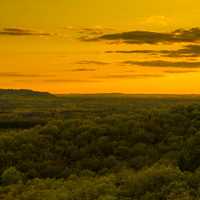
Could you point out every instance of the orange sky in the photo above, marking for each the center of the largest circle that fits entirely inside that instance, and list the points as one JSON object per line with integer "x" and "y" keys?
{"x": 87, "y": 46}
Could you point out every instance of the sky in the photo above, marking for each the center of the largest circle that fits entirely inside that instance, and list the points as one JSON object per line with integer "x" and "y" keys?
{"x": 100, "y": 46}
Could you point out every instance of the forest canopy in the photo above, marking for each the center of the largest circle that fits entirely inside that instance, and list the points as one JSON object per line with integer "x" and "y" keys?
{"x": 104, "y": 147}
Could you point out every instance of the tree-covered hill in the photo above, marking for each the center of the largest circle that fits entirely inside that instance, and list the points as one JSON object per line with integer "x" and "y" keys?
{"x": 23, "y": 92}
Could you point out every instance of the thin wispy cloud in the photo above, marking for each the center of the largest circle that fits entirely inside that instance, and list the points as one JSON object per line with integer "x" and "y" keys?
{"x": 97, "y": 30}
{"x": 179, "y": 71}
{"x": 163, "y": 63}
{"x": 90, "y": 31}
{"x": 83, "y": 70}
{"x": 23, "y": 32}
{"x": 187, "y": 51}
{"x": 92, "y": 62}
{"x": 157, "y": 20}
{"x": 152, "y": 52}
{"x": 70, "y": 81}
{"x": 21, "y": 75}
{"x": 130, "y": 76}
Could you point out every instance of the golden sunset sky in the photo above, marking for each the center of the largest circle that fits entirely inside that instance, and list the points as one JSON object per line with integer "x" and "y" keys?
{"x": 100, "y": 46}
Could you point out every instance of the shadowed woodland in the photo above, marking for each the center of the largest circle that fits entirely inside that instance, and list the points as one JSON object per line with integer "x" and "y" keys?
{"x": 104, "y": 147}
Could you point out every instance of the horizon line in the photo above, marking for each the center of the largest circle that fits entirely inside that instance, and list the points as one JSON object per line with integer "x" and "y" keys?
{"x": 104, "y": 93}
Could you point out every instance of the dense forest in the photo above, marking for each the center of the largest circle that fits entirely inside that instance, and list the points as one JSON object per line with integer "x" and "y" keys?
{"x": 99, "y": 147}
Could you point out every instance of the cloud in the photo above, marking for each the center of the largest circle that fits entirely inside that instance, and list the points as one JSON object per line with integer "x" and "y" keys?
{"x": 179, "y": 71}
{"x": 83, "y": 70}
{"x": 187, "y": 51}
{"x": 134, "y": 37}
{"x": 130, "y": 76}
{"x": 22, "y": 75}
{"x": 16, "y": 75}
{"x": 92, "y": 62}
{"x": 97, "y": 30}
{"x": 134, "y": 52}
{"x": 22, "y": 32}
{"x": 93, "y": 31}
{"x": 163, "y": 63}
{"x": 159, "y": 20}
{"x": 70, "y": 81}
{"x": 150, "y": 37}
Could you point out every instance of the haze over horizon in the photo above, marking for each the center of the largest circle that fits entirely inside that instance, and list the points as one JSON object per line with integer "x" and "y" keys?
{"x": 85, "y": 46}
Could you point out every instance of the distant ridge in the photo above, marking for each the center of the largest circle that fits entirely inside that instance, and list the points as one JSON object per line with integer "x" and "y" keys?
{"x": 24, "y": 92}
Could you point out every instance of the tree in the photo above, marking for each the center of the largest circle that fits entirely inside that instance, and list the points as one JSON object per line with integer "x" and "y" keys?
{"x": 11, "y": 176}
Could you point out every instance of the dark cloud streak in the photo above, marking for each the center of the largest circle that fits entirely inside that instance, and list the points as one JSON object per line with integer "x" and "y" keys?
{"x": 83, "y": 70}
{"x": 148, "y": 37}
{"x": 179, "y": 71}
{"x": 187, "y": 51}
{"x": 92, "y": 62}
{"x": 21, "y": 75}
{"x": 130, "y": 76}
{"x": 163, "y": 63}
{"x": 22, "y": 32}
{"x": 70, "y": 81}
